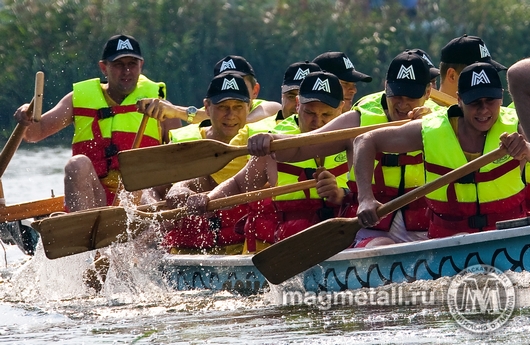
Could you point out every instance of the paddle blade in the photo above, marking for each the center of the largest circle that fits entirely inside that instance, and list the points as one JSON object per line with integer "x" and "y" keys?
{"x": 306, "y": 249}
{"x": 81, "y": 231}
{"x": 154, "y": 166}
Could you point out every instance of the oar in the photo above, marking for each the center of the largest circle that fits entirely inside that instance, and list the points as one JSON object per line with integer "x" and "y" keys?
{"x": 319, "y": 242}
{"x": 136, "y": 144}
{"x": 159, "y": 165}
{"x": 15, "y": 139}
{"x": 442, "y": 98}
{"x": 78, "y": 232}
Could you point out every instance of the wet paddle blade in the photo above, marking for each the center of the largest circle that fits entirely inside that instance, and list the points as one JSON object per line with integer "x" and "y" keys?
{"x": 154, "y": 166}
{"x": 306, "y": 249}
{"x": 81, "y": 231}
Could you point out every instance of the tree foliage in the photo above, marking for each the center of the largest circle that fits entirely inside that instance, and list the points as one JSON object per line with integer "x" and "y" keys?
{"x": 183, "y": 39}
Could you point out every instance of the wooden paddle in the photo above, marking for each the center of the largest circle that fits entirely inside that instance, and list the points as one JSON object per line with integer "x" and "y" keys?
{"x": 136, "y": 144}
{"x": 78, "y": 232}
{"x": 159, "y": 165}
{"x": 319, "y": 242}
{"x": 442, "y": 98}
{"x": 16, "y": 137}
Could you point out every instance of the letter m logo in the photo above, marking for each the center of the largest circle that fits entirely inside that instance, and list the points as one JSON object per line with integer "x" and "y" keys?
{"x": 229, "y": 84}
{"x": 322, "y": 85}
{"x": 406, "y": 73}
{"x": 124, "y": 45}
{"x": 301, "y": 74}
{"x": 484, "y": 52}
{"x": 479, "y": 78}
{"x": 228, "y": 65}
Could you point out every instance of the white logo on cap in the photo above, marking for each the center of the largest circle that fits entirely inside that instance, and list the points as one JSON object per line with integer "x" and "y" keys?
{"x": 229, "y": 84}
{"x": 347, "y": 62}
{"x": 484, "y": 52}
{"x": 227, "y": 65}
{"x": 124, "y": 45}
{"x": 424, "y": 57}
{"x": 406, "y": 73}
{"x": 301, "y": 74}
{"x": 322, "y": 85}
{"x": 479, "y": 78}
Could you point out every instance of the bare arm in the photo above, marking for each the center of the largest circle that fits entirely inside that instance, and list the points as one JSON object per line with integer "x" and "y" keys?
{"x": 265, "y": 109}
{"x": 259, "y": 144}
{"x": 51, "y": 122}
{"x": 162, "y": 109}
{"x": 519, "y": 87}
{"x": 402, "y": 139}
{"x": 253, "y": 176}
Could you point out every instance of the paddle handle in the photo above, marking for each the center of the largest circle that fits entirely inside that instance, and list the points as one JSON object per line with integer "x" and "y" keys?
{"x": 16, "y": 137}
{"x": 38, "y": 96}
{"x": 321, "y": 138}
{"x": 442, "y": 98}
{"x": 238, "y": 199}
{"x": 430, "y": 187}
{"x": 140, "y": 133}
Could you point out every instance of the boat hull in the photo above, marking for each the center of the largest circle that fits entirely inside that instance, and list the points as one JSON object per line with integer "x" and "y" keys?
{"x": 364, "y": 267}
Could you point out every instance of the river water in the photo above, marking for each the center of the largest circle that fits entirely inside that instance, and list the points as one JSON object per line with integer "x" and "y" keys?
{"x": 44, "y": 301}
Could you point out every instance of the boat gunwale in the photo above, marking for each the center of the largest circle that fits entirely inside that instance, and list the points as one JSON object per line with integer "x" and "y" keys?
{"x": 349, "y": 254}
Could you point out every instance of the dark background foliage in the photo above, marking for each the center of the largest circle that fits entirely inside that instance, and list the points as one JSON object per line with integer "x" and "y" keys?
{"x": 183, "y": 39}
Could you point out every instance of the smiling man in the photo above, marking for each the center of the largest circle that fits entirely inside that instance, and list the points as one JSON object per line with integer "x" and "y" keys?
{"x": 449, "y": 140}
{"x": 105, "y": 122}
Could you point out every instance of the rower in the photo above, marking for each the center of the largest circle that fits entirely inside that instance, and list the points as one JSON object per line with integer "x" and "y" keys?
{"x": 448, "y": 140}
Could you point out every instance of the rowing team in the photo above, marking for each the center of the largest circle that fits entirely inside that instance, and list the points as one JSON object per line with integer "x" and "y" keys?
{"x": 353, "y": 176}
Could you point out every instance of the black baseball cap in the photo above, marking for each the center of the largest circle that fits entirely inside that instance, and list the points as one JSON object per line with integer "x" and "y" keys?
{"x": 467, "y": 50}
{"x": 119, "y": 46}
{"x": 233, "y": 63}
{"x": 408, "y": 75}
{"x": 321, "y": 87}
{"x": 226, "y": 86}
{"x": 295, "y": 73}
{"x": 435, "y": 72}
{"x": 340, "y": 65}
{"x": 479, "y": 80}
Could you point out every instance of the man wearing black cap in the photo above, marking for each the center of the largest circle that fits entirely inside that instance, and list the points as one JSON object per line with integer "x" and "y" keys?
{"x": 259, "y": 110}
{"x": 92, "y": 175}
{"x": 340, "y": 65}
{"x": 459, "y": 53}
{"x": 320, "y": 100}
{"x": 406, "y": 90}
{"x": 227, "y": 104}
{"x": 449, "y": 140}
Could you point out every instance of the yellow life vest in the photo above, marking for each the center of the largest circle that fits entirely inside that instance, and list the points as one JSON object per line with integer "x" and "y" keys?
{"x": 100, "y": 131}
{"x": 494, "y": 190}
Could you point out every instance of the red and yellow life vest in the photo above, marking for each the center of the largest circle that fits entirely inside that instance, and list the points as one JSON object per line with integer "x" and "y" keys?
{"x": 274, "y": 219}
{"x": 198, "y": 232}
{"x": 475, "y": 202}
{"x": 394, "y": 174}
{"x": 100, "y": 131}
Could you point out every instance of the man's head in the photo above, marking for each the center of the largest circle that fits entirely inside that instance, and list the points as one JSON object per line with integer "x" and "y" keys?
{"x": 340, "y": 65}
{"x": 292, "y": 79}
{"x": 480, "y": 95}
{"x": 319, "y": 101}
{"x": 435, "y": 72}
{"x": 121, "y": 62}
{"x": 408, "y": 84}
{"x": 463, "y": 51}
{"x": 227, "y": 104}
{"x": 235, "y": 63}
